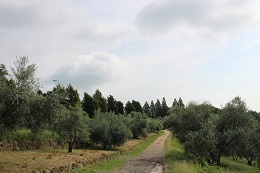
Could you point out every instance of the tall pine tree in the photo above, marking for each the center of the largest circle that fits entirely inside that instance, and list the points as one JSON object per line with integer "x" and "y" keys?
{"x": 102, "y": 102}
{"x": 158, "y": 109}
{"x": 152, "y": 109}
{"x": 137, "y": 105}
{"x": 146, "y": 109}
{"x": 111, "y": 104}
{"x": 164, "y": 109}
{"x": 89, "y": 105}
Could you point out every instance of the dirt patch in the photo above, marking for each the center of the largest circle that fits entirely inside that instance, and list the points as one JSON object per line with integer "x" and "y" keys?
{"x": 57, "y": 159}
{"x": 151, "y": 160}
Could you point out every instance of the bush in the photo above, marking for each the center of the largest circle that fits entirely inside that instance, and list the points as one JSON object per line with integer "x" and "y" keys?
{"x": 108, "y": 130}
{"x": 154, "y": 125}
{"x": 139, "y": 125}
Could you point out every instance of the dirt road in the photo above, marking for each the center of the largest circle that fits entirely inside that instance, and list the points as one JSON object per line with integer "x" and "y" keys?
{"x": 151, "y": 160}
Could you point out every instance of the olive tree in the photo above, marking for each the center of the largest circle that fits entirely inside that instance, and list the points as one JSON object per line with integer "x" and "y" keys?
{"x": 108, "y": 129}
{"x": 71, "y": 125}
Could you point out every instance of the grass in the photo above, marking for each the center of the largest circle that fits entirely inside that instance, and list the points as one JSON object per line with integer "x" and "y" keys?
{"x": 117, "y": 162}
{"x": 178, "y": 162}
{"x": 175, "y": 158}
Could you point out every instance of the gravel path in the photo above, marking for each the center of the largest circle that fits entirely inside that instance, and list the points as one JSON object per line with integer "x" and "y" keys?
{"x": 150, "y": 161}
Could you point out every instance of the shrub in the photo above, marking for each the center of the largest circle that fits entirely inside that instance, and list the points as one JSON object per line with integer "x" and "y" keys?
{"x": 108, "y": 130}
{"x": 139, "y": 125}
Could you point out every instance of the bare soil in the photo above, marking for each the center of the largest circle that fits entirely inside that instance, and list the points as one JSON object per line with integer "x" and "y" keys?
{"x": 151, "y": 160}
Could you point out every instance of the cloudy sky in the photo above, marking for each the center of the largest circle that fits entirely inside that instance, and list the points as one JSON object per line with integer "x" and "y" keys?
{"x": 140, "y": 49}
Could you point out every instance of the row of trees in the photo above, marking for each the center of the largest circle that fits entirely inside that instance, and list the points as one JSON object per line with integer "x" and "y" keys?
{"x": 97, "y": 102}
{"x": 209, "y": 133}
{"x": 102, "y": 121}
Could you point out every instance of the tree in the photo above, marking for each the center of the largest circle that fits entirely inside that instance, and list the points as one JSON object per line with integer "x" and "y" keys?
{"x": 175, "y": 103}
{"x": 120, "y": 107}
{"x": 139, "y": 125}
{"x": 137, "y": 106}
{"x": 234, "y": 119}
{"x": 129, "y": 107}
{"x": 3, "y": 73}
{"x": 154, "y": 125}
{"x": 71, "y": 125}
{"x": 17, "y": 93}
{"x": 164, "y": 108}
{"x": 158, "y": 109}
{"x": 73, "y": 96}
{"x": 146, "y": 109}
{"x": 108, "y": 130}
{"x": 42, "y": 112}
{"x": 90, "y": 106}
{"x": 24, "y": 75}
{"x": 13, "y": 106}
{"x": 180, "y": 103}
{"x": 111, "y": 104}
{"x": 102, "y": 102}
{"x": 61, "y": 94}
{"x": 152, "y": 110}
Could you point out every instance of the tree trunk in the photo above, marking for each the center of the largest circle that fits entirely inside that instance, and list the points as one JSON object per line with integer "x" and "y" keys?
{"x": 215, "y": 158}
{"x": 70, "y": 146}
{"x": 249, "y": 160}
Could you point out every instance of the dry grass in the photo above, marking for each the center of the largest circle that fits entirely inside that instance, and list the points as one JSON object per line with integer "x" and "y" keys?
{"x": 29, "y": 161}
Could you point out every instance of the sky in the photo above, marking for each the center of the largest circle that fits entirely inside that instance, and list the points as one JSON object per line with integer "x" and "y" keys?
{"x": 145, "y": 50}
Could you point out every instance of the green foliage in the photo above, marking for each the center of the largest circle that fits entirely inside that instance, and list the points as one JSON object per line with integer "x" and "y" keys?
{"x": 146, "y": 109}
{"x": 129, "y": 107}
{"x": 158, "y": 109}
{"x": 90, "y": 106}
{"x": 164, "y": 108}
{"x": 73, "y": 96}
{"x": 152, "y": 110}
{"x": 42, "y": 112}
{"x": 180, "y": 103}
{"x": 208, "y": 136}
{"x": 24, "y": 75}
{"x": 13, "y": 106}
{"x": 102, "y": 102}
{"x": 178, "y": 161}
{"x": 154, "y": 125}
{"x": 108, "y": 130}
{"x": 111, "y": 104}
{"x": 137, "y": 106}
{"x": 27, "y": 135}
{"x": 139, "y": 124}
{"x": 120, "y": 107}
{"x": 71, "y": 125}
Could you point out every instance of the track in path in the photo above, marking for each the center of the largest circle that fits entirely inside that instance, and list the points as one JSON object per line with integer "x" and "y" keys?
{"x": 151, "y": 160}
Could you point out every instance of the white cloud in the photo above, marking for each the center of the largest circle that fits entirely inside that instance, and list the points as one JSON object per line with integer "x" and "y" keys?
{"x": 92, "y": 70}
{"x": 213, "y": 17}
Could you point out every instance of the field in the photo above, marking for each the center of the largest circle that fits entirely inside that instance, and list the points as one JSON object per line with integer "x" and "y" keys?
{"x": 178, "y": 162}
{"x": 59, "y": 159}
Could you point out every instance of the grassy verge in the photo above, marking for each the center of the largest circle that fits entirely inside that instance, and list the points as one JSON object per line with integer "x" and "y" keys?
{"x": 178, "y": 162}
{"x": 117, "y": 162}
{"x": 175, "y": 157}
